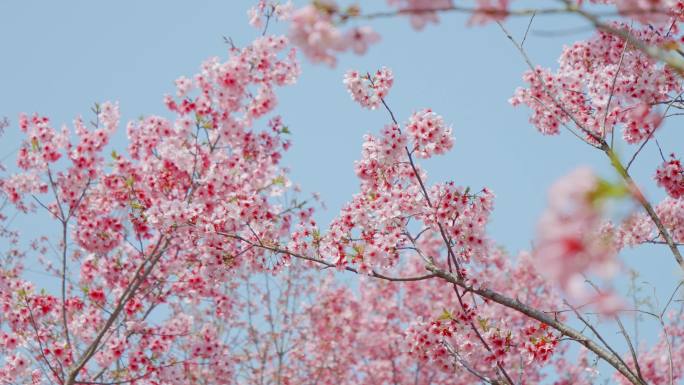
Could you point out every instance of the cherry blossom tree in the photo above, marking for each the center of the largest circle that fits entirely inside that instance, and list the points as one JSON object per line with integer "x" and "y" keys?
{"x": 189, "y": 257}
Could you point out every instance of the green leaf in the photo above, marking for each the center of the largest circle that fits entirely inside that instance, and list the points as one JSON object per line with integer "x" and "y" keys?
{"x": 484, "y": 323}
{"x": 353, "y": 11}
{"x": 358, "y": 249}
{"x": 606, "y": 190}
{"x": 324, "y": 7}
{"x": 445, "y": 316}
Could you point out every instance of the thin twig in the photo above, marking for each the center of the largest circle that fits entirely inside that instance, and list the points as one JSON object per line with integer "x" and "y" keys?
{"x": 522, "y": 43}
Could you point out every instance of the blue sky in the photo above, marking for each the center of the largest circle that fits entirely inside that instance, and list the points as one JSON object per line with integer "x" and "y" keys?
{"x": 58, "y": 58}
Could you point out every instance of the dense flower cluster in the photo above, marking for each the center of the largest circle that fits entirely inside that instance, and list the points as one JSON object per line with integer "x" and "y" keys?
{"x": 366, "y": 90}
{"x": 147, "y": 227}
{"x": 267, "y": 9}
{"x": 371, "y": 229}
{"x": 601, "y": 84}
{"x": 429, "y": 134}
{"x": 313, "y": 29}
{"x": 362, "y": 337}
{"x": 670, "y": 176}
{"x": 421, "y": 11}
{"x": 450, "y": 339}
{"x": 373, "y": 233}
{"x": 634, "y": 230}
{"x": 671, "y": 213}
{"x": 183, "y": 260}
{"x": 427, "y": 344}
{"x": 658, "y": 364}
{"x": 650, "y": 11}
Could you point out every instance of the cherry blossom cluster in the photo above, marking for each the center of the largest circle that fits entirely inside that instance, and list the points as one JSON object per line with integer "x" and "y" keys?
{"x": 366, "y": 90}
{"x": 149, "y": 227}
{"x": 569, "y": 240}
{"x": 380, "y": 162}
{"x": 638, "y": 228}
{"x": 168, "y": 248}
{"x": 267, "y": 9}
{"x": 451, "y": 339}
{"x": 462, "y": 216}
{"x": 364, "y": 337}
{"x": 658, "y": 364}
{"x": 670, "y": 176}
{"x": 316, "y": 27}
{"x": 430, "y": 135}
{"x": 427, "y": 10}
{"x": 601, "y": 84}
{"x": 488, "y": 11}
{"x": 640, "y": 123}
{"x": 424, "y": 12}
{"x": 634, "y": 230}
{"x": 671, "y": 213}
{"x": 371, "y": 229}
{"x": 541, "y": 343}
{"x": 313, "y": 28}
{"x": 649, "y": 11}
{"x": 373, "y": 234}
{"x": 42, "y": 143}
{"x": 426, "y": 342}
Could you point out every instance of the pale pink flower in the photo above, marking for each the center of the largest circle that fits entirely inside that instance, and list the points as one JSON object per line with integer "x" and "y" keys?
{"x": 670, "y": 176}
{"x": 420, "y": 19}
{"x": 640, "y": 123}
{"x": 360, "y": 38}
{"x": 429, "y": 134}
{"x": 489, "y": 10}
{"x": 368, "y": 90}
{"x": 569, "y": 241}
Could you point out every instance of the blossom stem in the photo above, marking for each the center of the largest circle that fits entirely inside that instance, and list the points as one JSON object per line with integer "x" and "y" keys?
{"x": 639, "y": 196}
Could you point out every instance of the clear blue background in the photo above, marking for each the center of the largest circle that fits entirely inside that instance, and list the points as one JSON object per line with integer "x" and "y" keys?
{"x": 59, "y": 57}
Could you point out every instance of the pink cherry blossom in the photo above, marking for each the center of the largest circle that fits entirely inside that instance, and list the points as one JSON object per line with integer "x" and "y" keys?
{"x": 641, "y": 123}
{"x": 429, "y": 134}
{"x": 360, "y": 38}
{"x": 650, "y": 11}
{"x": 489, "y": 10}
{"x": 314, "y": 29}
{"x": 420, "y": 19}
{"x": 369, "y": 90}
{"x": 670, "y": 176}
{"x": 671, "y": 213}
{"x": 579, "y": 92}
{"x": 188, "y": 256}
{"x": 568, "y": 241}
